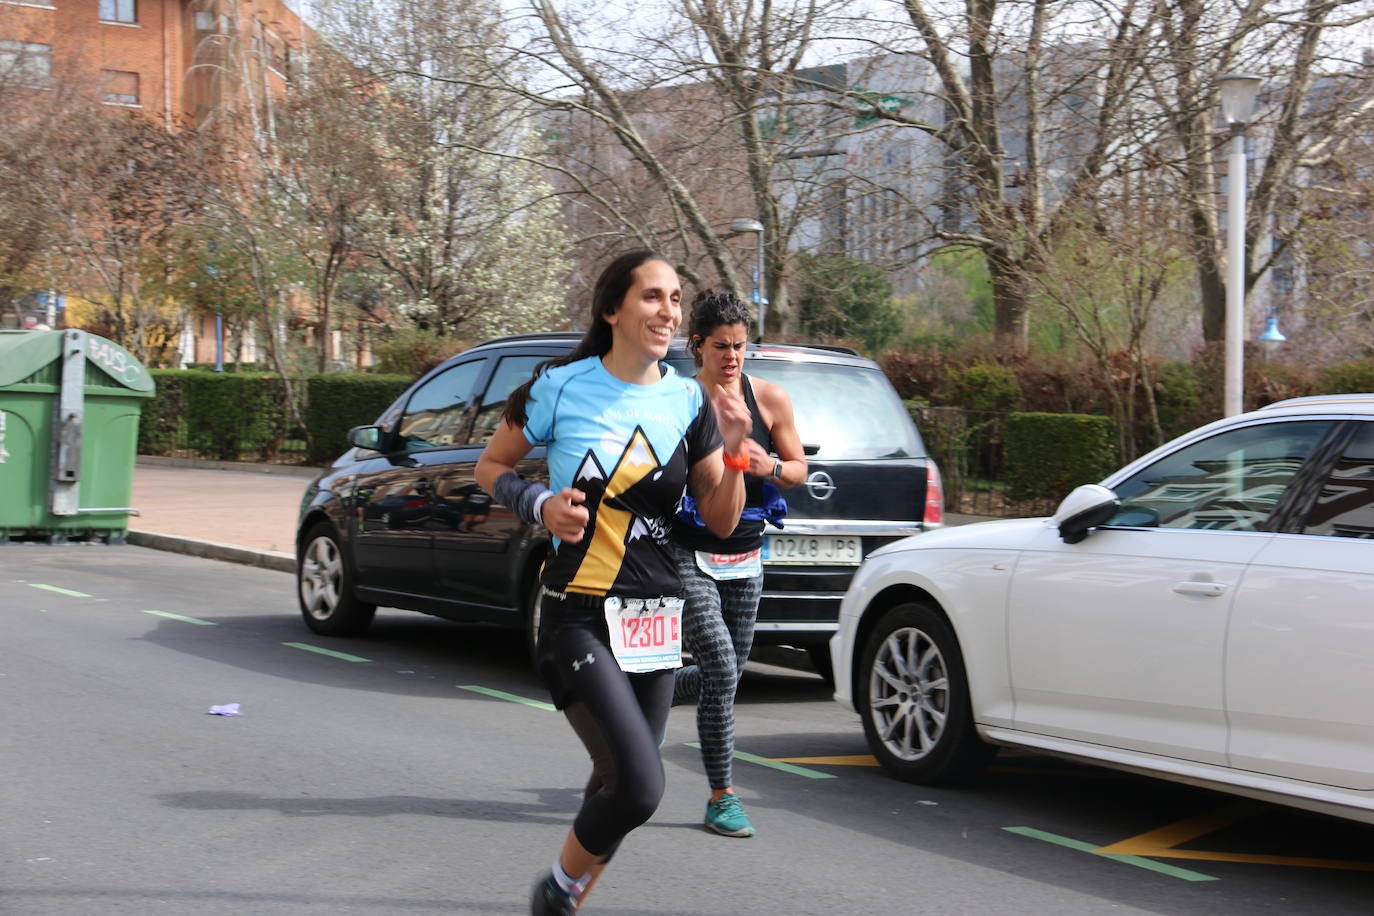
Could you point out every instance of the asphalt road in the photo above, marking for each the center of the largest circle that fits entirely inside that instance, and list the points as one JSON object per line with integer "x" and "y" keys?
{"x": 417, "y": 771}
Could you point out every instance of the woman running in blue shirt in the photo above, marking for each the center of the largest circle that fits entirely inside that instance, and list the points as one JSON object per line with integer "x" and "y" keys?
{"x": 624, "y": 435}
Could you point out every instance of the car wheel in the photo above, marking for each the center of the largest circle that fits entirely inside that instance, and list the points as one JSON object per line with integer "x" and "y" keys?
{"x": 914, "y": 699}
{"x": 324, "y": 586}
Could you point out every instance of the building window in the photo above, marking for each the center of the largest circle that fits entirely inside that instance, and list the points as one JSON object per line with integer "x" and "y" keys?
{"x": 118, "y": 11}
{"x": 120, "y": 87}
{"x": 24, "y": 63}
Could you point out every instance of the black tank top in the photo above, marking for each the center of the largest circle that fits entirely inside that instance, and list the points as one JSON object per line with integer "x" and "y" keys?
{"x": 748, "y": 534}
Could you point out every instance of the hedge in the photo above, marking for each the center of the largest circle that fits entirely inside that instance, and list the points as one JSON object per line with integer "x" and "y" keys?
{"x": 162, "y": 423}
{"x": 1048, "y": 454}
{"x": 229, "y": 414}
{"x": 337, "y": 401}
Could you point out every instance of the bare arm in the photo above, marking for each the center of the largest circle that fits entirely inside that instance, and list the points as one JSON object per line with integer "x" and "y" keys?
{"x": 718, "y": 490}
{"x": 776, "y": 408}
{"x": 563, "y": 513}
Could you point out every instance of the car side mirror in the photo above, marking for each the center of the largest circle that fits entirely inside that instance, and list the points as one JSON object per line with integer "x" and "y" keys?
{"x": 368, "y": 437}
{"x": 1084, "y": 509}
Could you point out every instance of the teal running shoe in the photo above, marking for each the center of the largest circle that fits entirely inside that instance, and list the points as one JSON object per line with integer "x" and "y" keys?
{"x": 726, "y": 816}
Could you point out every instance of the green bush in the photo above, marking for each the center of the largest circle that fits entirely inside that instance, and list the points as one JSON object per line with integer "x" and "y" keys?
{"x": 414, "y": 351}
{"x": 981, "y": 386}
{"x": 338, "y": 401}
{"x": 162, "y": 425}
{"x": 1356, "y": 377}
{"x": 1048, "y": 454}
{"x": 228, "y": 415}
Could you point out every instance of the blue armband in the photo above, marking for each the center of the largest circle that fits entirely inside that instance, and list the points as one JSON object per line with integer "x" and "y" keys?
{"x": 525, "y": 498}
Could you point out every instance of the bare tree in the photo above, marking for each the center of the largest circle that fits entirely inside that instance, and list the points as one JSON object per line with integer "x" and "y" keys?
{"x": 464, "y": 229}
{"x": 117, "y": 188}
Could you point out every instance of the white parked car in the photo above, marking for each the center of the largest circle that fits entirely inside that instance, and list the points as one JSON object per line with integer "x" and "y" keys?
{"x": 1205, "y": 615}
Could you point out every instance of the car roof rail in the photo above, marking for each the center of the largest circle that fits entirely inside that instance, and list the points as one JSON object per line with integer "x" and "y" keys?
{"x": 833, "y": 348}
{"x": 540, "y": 335}
{"x": 1313, "y": 400}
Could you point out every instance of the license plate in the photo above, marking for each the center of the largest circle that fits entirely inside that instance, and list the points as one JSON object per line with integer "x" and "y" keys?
{"x": 812, "y": 548}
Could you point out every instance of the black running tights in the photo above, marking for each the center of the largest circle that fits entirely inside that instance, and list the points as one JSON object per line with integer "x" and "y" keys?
{"x": 619, "y": 718}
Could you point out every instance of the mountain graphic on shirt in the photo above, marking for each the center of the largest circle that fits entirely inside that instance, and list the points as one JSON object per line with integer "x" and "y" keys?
{"x": 611, "y": 517}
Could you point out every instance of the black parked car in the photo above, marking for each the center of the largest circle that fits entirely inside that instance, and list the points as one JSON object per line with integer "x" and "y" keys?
{"x": 399, "y": 520}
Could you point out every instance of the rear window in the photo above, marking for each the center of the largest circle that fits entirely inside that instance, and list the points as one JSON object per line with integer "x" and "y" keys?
{"x": 848, "y": 411}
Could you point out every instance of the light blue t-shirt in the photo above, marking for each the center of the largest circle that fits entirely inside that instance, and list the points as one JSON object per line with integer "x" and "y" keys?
{"x": 629, "y": 448}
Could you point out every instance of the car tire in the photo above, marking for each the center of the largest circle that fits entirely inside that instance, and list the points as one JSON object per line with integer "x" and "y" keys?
{"x": 913, "y": 698}
{"x": 324, "y": 586}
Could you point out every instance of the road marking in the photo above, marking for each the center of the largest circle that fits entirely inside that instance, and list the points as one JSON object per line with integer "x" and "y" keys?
{"x": 60, "y": 591}
{"x": 776, "y": 764}
{"x": 330, "y": 652}
{"x": 848, "y": 760}
{"x": 170, "y": 616}
{"x": 502, "y": 695}
{"x": 1170, "y": 870}
{"x": 1163, "y": 842}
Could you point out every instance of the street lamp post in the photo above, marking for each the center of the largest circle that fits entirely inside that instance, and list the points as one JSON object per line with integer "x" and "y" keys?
{"x": 752, "y": 225}
{"x": 1238, "y": 93}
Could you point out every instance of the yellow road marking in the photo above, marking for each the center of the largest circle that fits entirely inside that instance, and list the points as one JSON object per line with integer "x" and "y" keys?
{"x": 1162, "y": 843}
{"x": 1172, "y": 835}
{"x": 852, "y": 760}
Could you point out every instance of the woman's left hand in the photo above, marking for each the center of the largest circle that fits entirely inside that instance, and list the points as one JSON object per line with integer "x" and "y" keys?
{"x": 732, "y": 416}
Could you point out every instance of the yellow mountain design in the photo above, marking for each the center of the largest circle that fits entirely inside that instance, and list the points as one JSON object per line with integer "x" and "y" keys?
{"x": 604, "y": 555}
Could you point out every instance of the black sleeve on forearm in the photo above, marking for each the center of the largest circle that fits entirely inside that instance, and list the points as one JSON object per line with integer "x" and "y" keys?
{"x": 521, "y": 496}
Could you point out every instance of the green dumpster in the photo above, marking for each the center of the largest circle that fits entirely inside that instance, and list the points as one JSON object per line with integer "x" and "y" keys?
{"x": 69, "y": 409}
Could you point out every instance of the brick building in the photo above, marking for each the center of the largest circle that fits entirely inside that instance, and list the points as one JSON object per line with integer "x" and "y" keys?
{"x": 177, "y": 60}
{"x": 181, "y": 62}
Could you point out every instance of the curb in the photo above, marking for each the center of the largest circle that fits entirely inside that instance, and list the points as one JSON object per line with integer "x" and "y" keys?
{"x": 201, "y": 464}
{"x": 212, "y": 550}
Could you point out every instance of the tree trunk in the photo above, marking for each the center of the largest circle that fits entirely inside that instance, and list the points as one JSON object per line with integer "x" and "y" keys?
{"x": 1010, "y": 302}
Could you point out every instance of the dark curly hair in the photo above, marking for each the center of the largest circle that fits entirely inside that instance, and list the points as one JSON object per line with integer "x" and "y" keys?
{"x": 711, "y": 310}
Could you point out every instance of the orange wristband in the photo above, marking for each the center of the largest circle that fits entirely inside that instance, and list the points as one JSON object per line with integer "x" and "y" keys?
{"x": 733, "y": 463}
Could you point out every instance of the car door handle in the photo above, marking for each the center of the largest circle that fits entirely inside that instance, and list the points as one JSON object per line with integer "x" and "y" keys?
{"x": 1201, "y": 589}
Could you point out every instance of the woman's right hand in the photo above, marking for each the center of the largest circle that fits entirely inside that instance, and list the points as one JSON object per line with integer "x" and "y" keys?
{"x": 565, "y": 516}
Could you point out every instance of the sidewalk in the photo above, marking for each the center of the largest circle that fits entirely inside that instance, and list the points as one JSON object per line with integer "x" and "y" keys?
{"x": 244, "y": 515}
{"x": 235, "y": 512}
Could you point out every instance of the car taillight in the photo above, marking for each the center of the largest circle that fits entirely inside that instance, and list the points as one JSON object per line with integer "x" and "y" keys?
{"x": 935, "y": 496}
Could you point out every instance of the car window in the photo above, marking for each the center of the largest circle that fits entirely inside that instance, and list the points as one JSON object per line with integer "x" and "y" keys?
{"x": 1230, "y": 481}
{"x": 1345, "y": 505}
{"x": 824, "y": 401}
{"x": 511, "y": 373}
{"x": 436, "y": 413}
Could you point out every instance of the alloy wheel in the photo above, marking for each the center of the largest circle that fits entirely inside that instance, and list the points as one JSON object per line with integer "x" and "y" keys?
{"x": 321, "y": 578}
{"x": 908, "y": 692}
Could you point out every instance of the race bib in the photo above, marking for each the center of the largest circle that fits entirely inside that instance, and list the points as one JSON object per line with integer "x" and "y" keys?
{"x": 646, "y": 633}
{"x": 723, "y": 566}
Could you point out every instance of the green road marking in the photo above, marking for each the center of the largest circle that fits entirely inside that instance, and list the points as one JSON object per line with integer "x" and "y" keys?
{"x": 330, "y": 652}
{"x": 776, "y": 764}
{"x": 502, "y": 695}
{"x": 60, "y": 591}
{"x": 1170, "y": 870}
{"x": 170, "y": 616}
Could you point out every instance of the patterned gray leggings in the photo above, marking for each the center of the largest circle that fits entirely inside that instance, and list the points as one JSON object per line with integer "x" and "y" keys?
{"x": 718, "y": 629}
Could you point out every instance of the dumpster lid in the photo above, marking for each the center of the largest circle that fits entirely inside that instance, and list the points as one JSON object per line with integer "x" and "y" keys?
{"x": 24, "y": 353}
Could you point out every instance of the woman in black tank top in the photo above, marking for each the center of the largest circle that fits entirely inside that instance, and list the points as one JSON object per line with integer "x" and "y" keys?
{"x": 722, "y": 578}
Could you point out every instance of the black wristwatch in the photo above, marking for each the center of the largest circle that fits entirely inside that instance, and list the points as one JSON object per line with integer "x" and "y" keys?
{"x": 777, "y": 469}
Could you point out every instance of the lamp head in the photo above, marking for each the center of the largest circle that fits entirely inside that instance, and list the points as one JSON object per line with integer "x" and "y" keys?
{"x": 1238, "y": 94}
{"x": 1271, "y": 336}
{"x": 745, "y": 225}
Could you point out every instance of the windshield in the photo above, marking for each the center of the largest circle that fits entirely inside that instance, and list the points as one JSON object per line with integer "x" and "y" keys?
{"x": 848, "y": 411}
